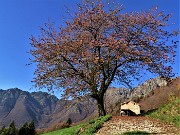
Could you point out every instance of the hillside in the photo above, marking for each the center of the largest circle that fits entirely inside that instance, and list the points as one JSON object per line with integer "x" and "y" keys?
{"x": 115, "y": 96}
{"x": 161, "y": 95}
{"x": 47, "y": 110}
{"x": 128, "y": 125}
{"x": 169, "y": 112}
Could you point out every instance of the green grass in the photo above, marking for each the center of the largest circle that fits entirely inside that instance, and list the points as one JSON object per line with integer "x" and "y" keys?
{"x": 169, "y": 112}
{"x": 67, "y": 131}
{"x": 136, "y": 133}
{"x": 83, "y": 129}
{"x": 95, "y": 125}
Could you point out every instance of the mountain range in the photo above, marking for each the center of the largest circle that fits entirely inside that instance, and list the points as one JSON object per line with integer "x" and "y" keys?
{"x": 46, "y": 109}
{"x": 41, "y": 107}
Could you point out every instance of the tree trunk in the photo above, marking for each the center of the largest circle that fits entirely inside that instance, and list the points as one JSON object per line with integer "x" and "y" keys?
{"x": 101, "y": 109}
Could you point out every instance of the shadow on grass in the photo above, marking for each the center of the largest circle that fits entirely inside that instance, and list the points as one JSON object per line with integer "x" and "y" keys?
{"x": 149, "y": 112}
{"x": 136, "y": 133}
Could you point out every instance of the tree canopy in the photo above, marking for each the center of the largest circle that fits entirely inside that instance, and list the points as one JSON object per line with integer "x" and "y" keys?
{"x": 100, "y": 45}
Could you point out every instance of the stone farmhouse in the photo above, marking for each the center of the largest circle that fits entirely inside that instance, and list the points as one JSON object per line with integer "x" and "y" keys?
{"x": 130, "y": 108}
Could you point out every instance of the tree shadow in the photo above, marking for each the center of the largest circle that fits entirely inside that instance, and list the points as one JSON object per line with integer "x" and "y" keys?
{"x": 136, "y": 133}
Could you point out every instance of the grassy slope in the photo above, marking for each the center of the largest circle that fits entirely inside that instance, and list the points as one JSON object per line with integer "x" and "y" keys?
{"x": 84, "y": 129}
{"x": 67, "y": 131}
{"x": 169, "y": 112}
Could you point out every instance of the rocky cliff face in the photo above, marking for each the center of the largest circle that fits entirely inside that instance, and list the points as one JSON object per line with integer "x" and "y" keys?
{"x": 149, "y": 85}
{"x": 45, "y": 109}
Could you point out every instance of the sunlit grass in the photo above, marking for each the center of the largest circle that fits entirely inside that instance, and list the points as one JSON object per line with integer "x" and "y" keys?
{"x": 169, "y": 112}
{"x": 67, "y": 131}
{"x": 84, "y": 129}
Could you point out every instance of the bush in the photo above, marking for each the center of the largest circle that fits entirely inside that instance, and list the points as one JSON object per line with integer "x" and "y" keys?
{"x": 69, "y": 121}
{"x": 11, "y": 130}
{"x": 27, "y": 129}
{"x": 32, "y": 128}
{"x": 91, "y": 121}
{"x": 2, "y": 129}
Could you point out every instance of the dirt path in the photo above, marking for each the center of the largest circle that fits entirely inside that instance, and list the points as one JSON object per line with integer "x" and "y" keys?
{"x": 121, "y": 124}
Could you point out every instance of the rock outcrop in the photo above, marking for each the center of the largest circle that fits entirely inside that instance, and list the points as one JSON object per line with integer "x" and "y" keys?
{"x": 144, "y": 89}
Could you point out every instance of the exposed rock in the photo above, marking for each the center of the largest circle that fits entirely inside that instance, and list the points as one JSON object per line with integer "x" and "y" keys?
{"x": 149, "y": 85}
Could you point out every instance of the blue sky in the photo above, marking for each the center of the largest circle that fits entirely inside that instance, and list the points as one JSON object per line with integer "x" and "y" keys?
{"x": 19, "y": 19}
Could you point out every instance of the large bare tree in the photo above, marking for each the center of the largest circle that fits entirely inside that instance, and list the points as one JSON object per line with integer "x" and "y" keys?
{"x": 101, "y": 45}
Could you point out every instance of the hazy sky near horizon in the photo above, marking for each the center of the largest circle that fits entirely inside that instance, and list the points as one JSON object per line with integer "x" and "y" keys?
{"x": 19, "y": 19}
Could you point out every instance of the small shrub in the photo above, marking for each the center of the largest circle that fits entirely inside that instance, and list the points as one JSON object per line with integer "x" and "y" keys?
{"x": 27, "y": 129}
{"x": 31, "y": 127}
{"x": 91, "y": 121}
{"x": 69, "y": 121}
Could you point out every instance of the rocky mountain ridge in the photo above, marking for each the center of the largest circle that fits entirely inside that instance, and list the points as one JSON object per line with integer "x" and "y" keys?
{"x": 45, "y": 109}
{"x": 149, "y": 85}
